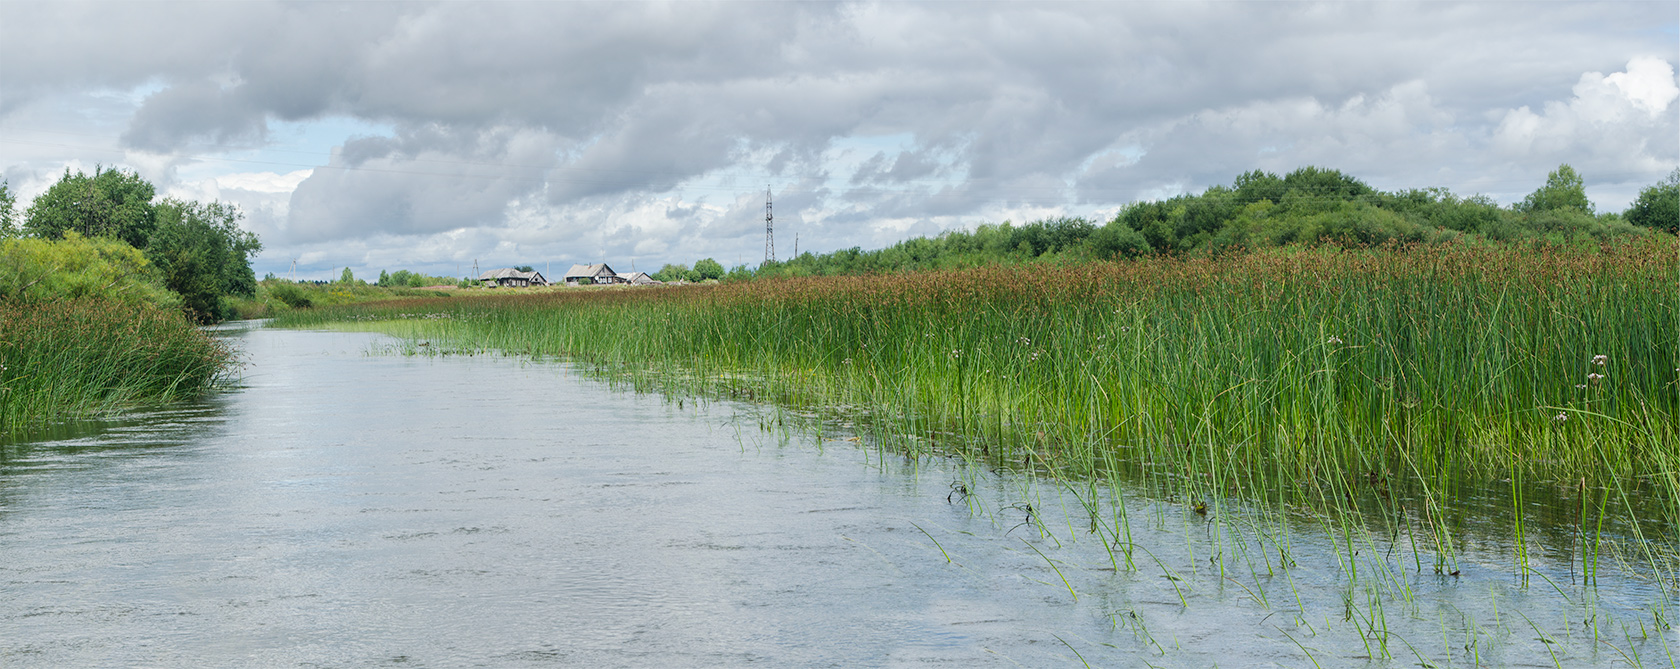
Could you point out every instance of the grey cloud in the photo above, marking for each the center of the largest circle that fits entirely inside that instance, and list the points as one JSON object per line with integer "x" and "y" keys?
{"x": 425, "y": 180}
{"x": 174, "y": 117}
{"x": 545, "y": 119}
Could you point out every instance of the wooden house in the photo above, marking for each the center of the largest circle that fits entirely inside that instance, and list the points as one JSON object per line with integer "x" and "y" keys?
{"x": 598, "y": 273}
{"x": 508, "y": 277}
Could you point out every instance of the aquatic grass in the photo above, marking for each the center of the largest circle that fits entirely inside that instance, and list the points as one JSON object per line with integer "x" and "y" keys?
{"x": 68, "y": 358}
{"x": 1367, "y": 390}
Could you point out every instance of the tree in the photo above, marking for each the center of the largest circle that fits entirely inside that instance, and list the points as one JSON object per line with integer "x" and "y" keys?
{"x": 708, "y": 269}
{"x": 111, "y": 203}
{"x": 1658, "y": 205}
{"x": 8, "y": 211}
{"x": 1564, "y": 189}
{"x": 346, "y": 277}
{"x": 526, "y": 268}
{"x": 203, "y": 255}
{"x": 671, "y": 272}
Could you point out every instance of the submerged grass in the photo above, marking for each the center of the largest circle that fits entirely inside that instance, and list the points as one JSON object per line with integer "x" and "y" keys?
{"x": 67, "y": 358}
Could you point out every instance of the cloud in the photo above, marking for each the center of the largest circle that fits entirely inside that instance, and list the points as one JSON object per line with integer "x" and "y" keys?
{"x": 1608, "y": 123}
{"x": 426, "y": 179}
{"x": 573, "y": 130}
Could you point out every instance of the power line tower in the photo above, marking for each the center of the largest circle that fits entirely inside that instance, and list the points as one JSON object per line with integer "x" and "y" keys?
{"x": 769, "y": 229}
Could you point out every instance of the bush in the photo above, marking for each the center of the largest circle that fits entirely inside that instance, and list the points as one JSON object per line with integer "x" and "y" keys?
{"x": 289, "y": 294}
{"x": 41, "y": 270}
{"x": 1658, "y": 205}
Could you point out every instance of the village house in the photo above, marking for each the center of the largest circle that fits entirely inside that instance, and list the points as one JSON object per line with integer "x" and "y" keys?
{"x": 508, "y": 277}
{"x": 637, "y": 279}
{"x": 598, "y": 273}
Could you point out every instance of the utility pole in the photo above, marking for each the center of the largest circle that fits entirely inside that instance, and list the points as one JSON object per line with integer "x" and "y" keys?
{"x": 769, "y": 229}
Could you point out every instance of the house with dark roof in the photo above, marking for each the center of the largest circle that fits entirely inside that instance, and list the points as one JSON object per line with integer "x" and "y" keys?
{"x": 508, "y": 277}
{"x": 598, "y": 274}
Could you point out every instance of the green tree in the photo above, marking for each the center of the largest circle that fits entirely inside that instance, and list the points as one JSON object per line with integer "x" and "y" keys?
{"x": 670, "y": 272}
{"x": 111, "y": 203}
{"x": 1564, "y": 189}
{"x": 347, "y": 277}
{"x": 8, "y": 211}
{"x": 203, "y": 255}
{"x": 708, "y": 269}
{"x": 1658, "y": 205}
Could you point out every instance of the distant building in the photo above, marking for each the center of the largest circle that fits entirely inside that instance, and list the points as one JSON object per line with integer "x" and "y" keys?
{"x": 508, "y": 277}
{"x": 598, "y": 273}
{"x": 637, "y": 279}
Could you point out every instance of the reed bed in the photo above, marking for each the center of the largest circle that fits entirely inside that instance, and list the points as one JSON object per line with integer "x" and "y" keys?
{"x": 66, "y": 358}
{"x": 1386, "y": 393}
{"x": 1457, "y": 360}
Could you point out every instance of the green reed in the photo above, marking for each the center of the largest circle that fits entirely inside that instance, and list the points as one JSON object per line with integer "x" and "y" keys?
{"x": 62, "y": 359}
{"x": 1369, "y": 387}
{"x": 1434, "y": 362}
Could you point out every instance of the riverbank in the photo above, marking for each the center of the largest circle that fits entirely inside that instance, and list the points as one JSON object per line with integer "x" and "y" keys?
{"x": 61, "y": 359}
{"x": 1556, "y": 362}
{"x": 1372, "y": 389}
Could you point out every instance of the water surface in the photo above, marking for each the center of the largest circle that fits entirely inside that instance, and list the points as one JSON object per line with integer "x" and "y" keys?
{"x": 341, "y": 509}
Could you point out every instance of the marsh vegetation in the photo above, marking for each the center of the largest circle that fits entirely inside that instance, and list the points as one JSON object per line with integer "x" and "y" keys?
{"x": 1370, "y": 392}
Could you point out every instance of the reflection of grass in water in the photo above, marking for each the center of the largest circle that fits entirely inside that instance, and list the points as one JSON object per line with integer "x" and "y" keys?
{"x": 1366, "y": 389}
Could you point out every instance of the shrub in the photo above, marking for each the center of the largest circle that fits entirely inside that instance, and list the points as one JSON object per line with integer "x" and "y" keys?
{"x": 75, "y": 267}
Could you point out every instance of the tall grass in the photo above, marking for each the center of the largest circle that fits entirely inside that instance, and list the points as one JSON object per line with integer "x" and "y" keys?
{"x": 1384, "y": 392}
{"x": 64, "y": 358}
{"x": 1559, "y": 362}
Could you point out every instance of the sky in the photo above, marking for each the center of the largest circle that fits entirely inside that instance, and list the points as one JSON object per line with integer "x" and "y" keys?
{"x": 437, "y": 137}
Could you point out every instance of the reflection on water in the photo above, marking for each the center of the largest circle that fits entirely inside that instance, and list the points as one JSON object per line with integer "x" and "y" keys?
{"x": 339, "y": 509}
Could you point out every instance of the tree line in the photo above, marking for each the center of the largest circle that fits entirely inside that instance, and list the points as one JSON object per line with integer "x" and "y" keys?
{"x": 1310, "y": 205}
{"x": 109, "y": 233}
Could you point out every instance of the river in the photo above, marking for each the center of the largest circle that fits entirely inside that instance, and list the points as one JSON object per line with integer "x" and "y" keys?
{"x": 337, "y": 508}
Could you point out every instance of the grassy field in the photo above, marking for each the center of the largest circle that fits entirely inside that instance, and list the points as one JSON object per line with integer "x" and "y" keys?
{"x": 63, "y": 358}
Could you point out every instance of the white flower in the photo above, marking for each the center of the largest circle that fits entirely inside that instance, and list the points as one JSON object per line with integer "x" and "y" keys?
{"x": 1560, "y": 417}
{"x": 1333, "y": 340}
{"x": 1595, "y": 378}
{"x": 1600, "y": 360}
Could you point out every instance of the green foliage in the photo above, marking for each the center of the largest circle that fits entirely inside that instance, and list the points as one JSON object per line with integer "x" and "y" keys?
{"x": 739, "y": 273}
{"x": 197, "y": 249}
{"x": 671, "y": 272}
{"x": 404, "y": 278}
{"x": 72, "y": 268}
{"x": 111, "y": 203}
{"x": 347, "y": 276}
{"x": 1658, "y": 206}
{"x": 708, "y": 268}
{"x": 525, "y": 268}
{"x": 8, "y": 211}
{"x": 289, "y": 294}
{"x": 203, "y": 256}
{"x": 1564, "y": 190}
